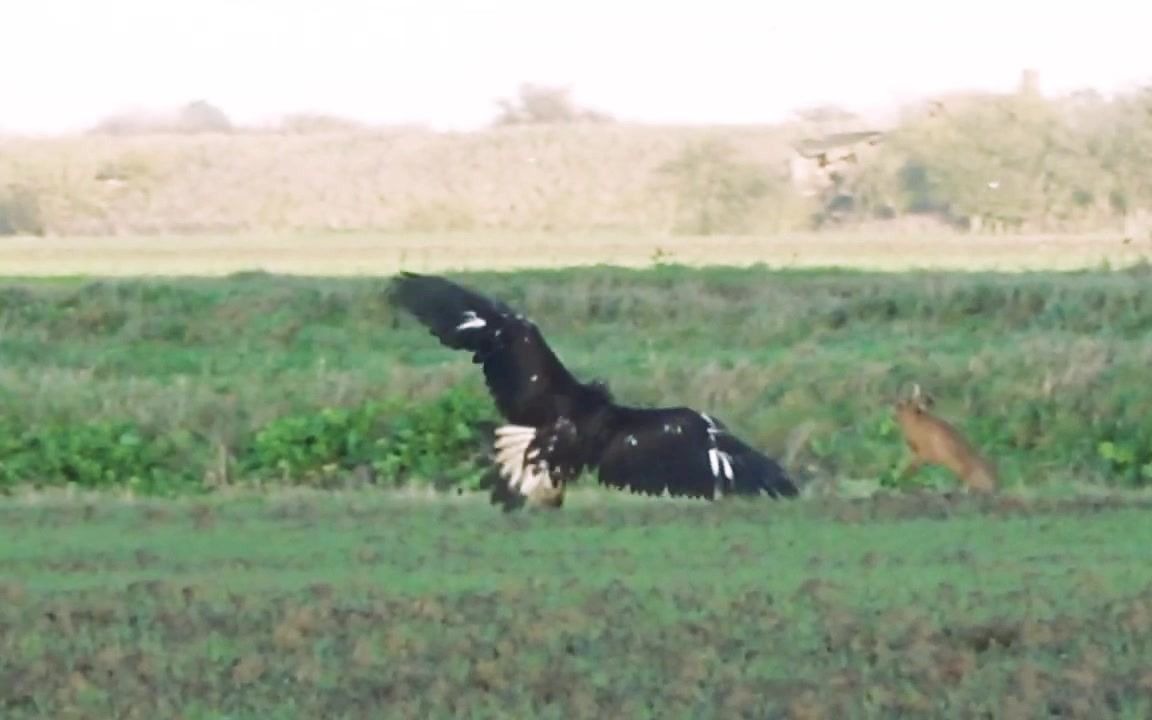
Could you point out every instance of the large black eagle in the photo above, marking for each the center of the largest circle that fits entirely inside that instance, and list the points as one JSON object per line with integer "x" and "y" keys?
{"x": 558, "y": 426}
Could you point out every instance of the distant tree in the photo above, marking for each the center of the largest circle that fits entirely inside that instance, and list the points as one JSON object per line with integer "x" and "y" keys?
{"x": 126, "y": 124}
{"x": 1014, "y": 161}
{"x": 1124, "y": 147}
{"x": 195, "y": 117}
{"x": 715, "y": 191}
{"x": 540, "y": 104}
{"x": 202, "y": 116}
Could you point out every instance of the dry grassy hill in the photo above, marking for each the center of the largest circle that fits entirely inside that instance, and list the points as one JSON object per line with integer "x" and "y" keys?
{"x": 583, "y": 177}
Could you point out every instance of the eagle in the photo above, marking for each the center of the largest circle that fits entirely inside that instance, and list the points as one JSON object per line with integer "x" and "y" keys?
{"x": 556, "y": 427}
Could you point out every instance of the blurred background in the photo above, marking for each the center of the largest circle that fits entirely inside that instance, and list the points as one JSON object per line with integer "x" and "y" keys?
{"x": 591, "y": 131}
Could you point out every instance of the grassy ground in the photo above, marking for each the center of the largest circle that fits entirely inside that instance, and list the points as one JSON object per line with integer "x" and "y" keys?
{"x": 381, "y": 254}
{"x": 365, "y": 604}
{"x": 361, "y": 605}
{"x": 1044, "y": 371}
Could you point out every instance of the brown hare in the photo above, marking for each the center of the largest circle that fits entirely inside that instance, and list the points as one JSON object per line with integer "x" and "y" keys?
{"x": 933, "y": 441}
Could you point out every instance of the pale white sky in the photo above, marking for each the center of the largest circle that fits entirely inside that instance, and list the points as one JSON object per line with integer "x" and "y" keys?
{"x": 66, "y": 63}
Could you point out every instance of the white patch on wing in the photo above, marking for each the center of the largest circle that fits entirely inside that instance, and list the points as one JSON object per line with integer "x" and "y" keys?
{"x": 713, "y": 427}
{"x": 726, "y": 461}
{"x": 471, "y": 321}
{"x": 721, "y": 462}
{"x": 522, "y": 470}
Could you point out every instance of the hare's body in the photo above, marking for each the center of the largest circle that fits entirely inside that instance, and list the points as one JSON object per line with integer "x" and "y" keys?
{"x": 933, "y": 441}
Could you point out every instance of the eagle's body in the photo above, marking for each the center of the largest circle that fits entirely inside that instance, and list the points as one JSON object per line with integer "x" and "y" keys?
{"x": 558, "y": 427}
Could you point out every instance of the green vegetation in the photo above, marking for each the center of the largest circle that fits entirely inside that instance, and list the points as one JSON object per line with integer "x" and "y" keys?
{"x": 179, "y": 386}
{"x": 261, "y": 601}
{"x": 1020, "y": 161}
{"x": 358, "y": 605}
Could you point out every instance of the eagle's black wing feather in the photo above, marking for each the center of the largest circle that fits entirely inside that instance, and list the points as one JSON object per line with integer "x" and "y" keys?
{"x": 528, "y": 382}
{"x": 753, "y": 471}
{"x": 559, "y": 426}
{"x": 687, "y": 454}
{"x": 450, "y": 312}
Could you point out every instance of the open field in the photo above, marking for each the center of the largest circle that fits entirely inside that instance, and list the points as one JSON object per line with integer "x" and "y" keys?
{"x": 361, "y": 605}
{"x": 235, "y": 484}
{"x": 343, "y": 254}
{"x": 239, "y": 599}
{"x": 171, "y": 384}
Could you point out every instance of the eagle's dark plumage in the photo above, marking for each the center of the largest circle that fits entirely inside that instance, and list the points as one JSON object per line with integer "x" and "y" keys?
{"x": 558, "y": 426}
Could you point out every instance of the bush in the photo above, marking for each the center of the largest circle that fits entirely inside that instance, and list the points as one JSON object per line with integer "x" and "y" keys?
{"x": 544, "y": 105}
{"x": 97, "y": 454}
{"x": 714, "y": 191}
{"x": 20, "y": 211}
{"x": 441, "y": 442}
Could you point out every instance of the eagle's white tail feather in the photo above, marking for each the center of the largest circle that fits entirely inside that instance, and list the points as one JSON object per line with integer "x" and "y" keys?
{"x": 508, "y": 459}
{"x": 515, "y": 430}
{"x": 523, "y": 475}
{"x": 509, "y": 436}
{"x": 726, "y": 464}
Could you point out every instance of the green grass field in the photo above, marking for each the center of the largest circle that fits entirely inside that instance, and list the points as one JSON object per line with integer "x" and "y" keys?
{"x": 165, "y": 382}
{"x": 360, "y": 605}
{"x": 247, "y": 596}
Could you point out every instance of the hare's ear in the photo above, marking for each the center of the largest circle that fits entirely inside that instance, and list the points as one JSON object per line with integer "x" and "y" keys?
{"x": 921, "y": 399}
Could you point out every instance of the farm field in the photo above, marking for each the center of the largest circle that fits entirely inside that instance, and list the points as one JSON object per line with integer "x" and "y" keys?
{"x": 251, "y": 496}
{"x": 168, "y": 385}
{"x": 352, "y": 254}
{"x": 366, "y": 605}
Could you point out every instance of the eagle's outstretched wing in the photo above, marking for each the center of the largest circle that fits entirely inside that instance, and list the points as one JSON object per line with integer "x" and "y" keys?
{"x": 528, "y": 382}
{"x": 556, "y": 426}
{"x": 687, "y": 454}
{"x": 753, "y": 471}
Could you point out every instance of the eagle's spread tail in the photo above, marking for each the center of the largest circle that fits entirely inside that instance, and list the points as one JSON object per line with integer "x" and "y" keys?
{"x": 523, "y": 471}
{"x": 520, "y": 463}
{"x": 535, "y": 460}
